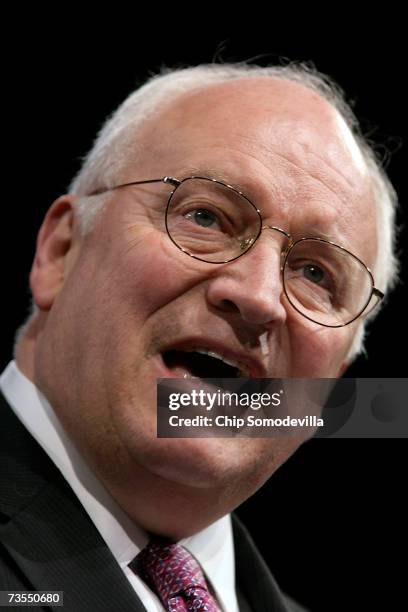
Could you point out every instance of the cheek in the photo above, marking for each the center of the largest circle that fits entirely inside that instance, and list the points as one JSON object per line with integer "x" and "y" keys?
{"x": 317, "y": 351}
{"x": 154, "y": 273}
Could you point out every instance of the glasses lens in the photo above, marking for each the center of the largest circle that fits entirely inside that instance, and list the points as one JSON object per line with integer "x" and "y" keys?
{"x": 326, "y": 283}
{"x": 211, "y": 221}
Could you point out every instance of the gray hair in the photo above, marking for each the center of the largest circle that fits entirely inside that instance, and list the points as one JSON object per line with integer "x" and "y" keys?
{"x": 118, "y": 137}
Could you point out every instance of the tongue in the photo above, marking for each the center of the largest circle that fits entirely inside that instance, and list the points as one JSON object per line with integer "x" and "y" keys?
{"x": 184, "y": 364}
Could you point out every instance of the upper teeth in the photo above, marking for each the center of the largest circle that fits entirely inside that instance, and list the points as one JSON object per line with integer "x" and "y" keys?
{"x": 236, "y": 364}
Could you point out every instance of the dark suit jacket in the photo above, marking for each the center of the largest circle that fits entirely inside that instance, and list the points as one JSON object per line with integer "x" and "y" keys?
{"x": 48, "y": 542}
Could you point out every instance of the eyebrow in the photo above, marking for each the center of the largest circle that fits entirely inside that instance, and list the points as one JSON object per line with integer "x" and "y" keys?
{"x": 212, "y": 173}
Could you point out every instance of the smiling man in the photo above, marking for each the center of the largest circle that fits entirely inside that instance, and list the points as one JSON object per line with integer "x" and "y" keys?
{"x": 226, "y": 222}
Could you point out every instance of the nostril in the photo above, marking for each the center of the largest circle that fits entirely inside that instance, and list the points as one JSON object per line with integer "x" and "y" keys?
{"x": 229, "y": 306}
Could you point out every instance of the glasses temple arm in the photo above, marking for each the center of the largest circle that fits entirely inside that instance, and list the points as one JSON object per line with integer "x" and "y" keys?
{"x": 164, "y": 179}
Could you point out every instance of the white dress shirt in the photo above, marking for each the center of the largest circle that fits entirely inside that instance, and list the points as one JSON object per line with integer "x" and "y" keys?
{"x": 212, "y": 547}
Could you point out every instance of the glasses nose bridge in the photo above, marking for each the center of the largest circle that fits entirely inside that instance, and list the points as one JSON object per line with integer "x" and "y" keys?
{"x": 284, "y": 233}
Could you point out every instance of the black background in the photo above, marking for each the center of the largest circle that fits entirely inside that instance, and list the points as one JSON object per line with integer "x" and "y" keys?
{"x": 330, "y": 523}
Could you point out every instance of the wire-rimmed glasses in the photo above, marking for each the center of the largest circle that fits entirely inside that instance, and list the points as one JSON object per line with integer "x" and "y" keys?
{"x": 216, "y": 223}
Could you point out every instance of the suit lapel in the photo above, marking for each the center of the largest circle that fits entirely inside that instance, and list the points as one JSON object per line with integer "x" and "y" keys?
{"x": 47, "y": 532}
{"x": 53, "y": 541}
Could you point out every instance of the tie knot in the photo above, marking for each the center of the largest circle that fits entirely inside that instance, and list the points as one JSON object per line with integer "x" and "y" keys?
{"x": 173, "y": 573}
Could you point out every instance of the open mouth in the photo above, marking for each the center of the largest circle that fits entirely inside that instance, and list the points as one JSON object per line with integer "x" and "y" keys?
{"x": 202, "y": 363}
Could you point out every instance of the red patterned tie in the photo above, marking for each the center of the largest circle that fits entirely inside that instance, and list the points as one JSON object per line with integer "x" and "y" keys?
{"x": 175, "y": 576}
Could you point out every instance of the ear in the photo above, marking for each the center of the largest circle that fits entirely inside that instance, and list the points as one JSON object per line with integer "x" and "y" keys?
{"x": 55, "y": 246}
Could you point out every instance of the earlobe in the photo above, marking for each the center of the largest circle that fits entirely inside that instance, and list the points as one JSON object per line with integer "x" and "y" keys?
{"x": 55, "y": 242}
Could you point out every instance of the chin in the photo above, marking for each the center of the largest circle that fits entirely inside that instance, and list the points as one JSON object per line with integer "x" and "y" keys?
{"x": 201, "y": 463}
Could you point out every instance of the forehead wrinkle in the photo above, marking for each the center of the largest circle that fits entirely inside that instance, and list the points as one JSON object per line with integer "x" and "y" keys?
{"x": 295, "y": 158}
{"x": 305, "y": 135}
{"x": 328, "y": 182}
{"x": 307, "y": 171}
{"x": 343, "y": 177}
{"x": 208, "y": 171}
{"x": 255, "y": 187}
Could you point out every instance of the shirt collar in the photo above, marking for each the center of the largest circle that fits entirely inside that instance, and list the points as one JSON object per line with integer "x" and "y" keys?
{"x": 212, "y": 547}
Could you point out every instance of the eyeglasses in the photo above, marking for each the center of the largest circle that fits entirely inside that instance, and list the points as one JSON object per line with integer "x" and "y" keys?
{"x": 215, "y": 223}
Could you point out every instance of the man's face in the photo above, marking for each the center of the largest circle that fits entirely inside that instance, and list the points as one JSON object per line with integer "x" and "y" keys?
{"x": 130, "y": 296}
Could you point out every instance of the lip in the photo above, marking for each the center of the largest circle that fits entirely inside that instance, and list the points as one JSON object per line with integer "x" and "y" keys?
{"x": 253, "y": 364}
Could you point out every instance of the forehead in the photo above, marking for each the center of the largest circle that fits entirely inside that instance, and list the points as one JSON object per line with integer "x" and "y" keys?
{"x": 278, "y": 141}
{"x": 260, "y": 111}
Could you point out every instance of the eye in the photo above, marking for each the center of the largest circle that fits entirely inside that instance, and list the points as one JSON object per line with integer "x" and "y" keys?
{"x": 313, "y": 273}
{"x": 203, "y": 217}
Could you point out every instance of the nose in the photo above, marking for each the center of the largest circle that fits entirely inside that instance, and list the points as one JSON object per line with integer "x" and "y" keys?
{"x": 251, "y": 285}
